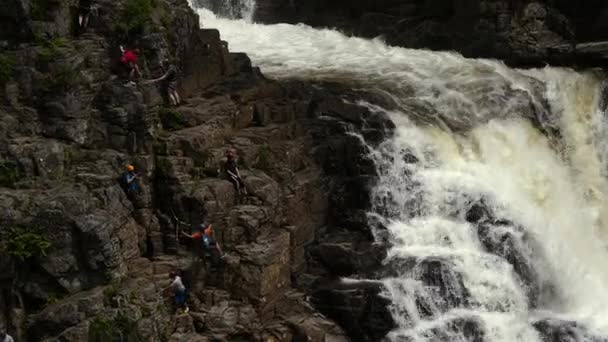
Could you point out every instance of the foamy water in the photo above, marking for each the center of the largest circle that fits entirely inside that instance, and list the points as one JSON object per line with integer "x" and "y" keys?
{"x": 478, "y": 142}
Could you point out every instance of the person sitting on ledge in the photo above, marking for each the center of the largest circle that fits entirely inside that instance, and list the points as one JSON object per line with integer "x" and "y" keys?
{"x": 233, "y": 174}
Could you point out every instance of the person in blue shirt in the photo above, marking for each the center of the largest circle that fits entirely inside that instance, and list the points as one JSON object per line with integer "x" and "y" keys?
{"x": 129, "y": 180}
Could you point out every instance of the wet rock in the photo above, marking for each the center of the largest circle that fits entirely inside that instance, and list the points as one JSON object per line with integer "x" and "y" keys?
{"x": 458, "y": 330}
{"x": 442, "y": 287}
{"x": 511, "y": 243}
{"x": 555, "y": 330}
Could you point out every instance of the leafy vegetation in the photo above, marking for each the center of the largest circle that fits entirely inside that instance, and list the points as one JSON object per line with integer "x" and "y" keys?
{"x": 23, "y": 245}
{"x": 60, "y": 80}
{"x": 135, "y": 16}
{"x": 7, "y": 67}
{"x": 51, "y": 50}
{"x": 118, "y": 329}
{"x": 171, "y": 119}
{"x": 10, "y": 173}
{"x": 263, "y": 158}
{"x": 111, "y": 292}
{"x": 41, "y": 8}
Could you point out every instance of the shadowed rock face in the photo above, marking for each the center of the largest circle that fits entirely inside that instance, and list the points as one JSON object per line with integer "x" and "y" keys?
{"x": 522, "y": 32}
{"x": 359, "y": 308}
{"x": 69, "y": 126}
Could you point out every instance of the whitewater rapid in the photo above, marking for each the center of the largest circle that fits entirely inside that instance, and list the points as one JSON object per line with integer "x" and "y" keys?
{"x": 469, "y": 123}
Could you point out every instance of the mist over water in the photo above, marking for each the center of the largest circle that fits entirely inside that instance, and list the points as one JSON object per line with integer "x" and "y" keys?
{"x": 470, "y": 131}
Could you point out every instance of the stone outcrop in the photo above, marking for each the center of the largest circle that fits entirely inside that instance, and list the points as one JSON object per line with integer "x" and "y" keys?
{"x": 81, "y": 260}
{"x": 523, "y": 32}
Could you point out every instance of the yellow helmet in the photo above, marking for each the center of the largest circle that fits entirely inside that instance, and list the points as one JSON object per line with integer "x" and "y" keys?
{"x": 130, "y": 167}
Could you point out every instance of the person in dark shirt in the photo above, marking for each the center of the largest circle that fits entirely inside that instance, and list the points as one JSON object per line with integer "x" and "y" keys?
{"x": 169, "y": 82}
{"x": 84, "y": 12}
{"x": 232, "y": 172}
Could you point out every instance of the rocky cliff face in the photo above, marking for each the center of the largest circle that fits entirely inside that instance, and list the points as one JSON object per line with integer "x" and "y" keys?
{"x": 83, "y": 261}
{"x": 522, "y": 32}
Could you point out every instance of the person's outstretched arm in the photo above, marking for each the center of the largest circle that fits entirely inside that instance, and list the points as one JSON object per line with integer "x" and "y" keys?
{"x": 158, "y": 79}
{"x": 130, "y": 178}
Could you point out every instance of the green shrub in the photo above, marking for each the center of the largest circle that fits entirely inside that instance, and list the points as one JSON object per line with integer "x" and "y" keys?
{"x": 10, "y": 173}
{"x": 110, "y": 293}
{"x": 7, "y": 67}
{"x": 135, "y": 16}
{"x": 23, "y": 245}
{"x": 263, "y": 158}
{"x": 50, "y": 50}
{"x": 118, "y": 329}
{"x": 171, "y": 119}
{"x": 60, "y": 80}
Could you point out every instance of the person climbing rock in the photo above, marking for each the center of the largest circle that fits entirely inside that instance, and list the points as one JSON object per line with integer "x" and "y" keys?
{"x": 129, "y": 181}
{"x": 4, "y": 337}
{"x": 84, "y": 13}
{"x": 205, "y": 241}
{"x": 233, "y": 174}
{"x": 179, "y": 291}
{"x": 205, "y": 237}
{"x": 169, "y": 82}
{"x": 130, "y": 60}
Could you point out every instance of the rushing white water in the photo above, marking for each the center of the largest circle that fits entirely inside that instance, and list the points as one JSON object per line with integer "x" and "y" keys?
{"x": 480, "y": 144}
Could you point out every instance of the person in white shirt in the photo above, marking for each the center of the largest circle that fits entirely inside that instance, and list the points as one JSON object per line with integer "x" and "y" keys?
{"x": 179, "y": 290}
{"x": 4, "y": 337}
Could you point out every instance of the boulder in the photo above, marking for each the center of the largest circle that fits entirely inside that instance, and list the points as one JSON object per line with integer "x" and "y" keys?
{"x": 68, "y": 313}
{"x": 264, "y": 270}
{"x": 359, "y": 308}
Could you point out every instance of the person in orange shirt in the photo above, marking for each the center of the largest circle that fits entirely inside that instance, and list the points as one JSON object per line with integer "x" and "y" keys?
{"x": 205, "y": 238}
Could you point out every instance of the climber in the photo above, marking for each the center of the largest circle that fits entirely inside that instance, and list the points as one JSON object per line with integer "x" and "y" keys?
{"x": 232, "y": 172}
{"x": 129, "y": 181}
{"x": 84, "y": 12}
{"x": 204, "y": 237}
{"x": 169, "y": 82}
{"x": 129, "y": 59}
{"x": 179, "y": 291}
{"x": 4, "y": 337}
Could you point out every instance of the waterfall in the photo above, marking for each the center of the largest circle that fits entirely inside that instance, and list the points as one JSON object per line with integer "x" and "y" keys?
{"x": 232, "y": 9}
{"x": 494, "y": 182}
